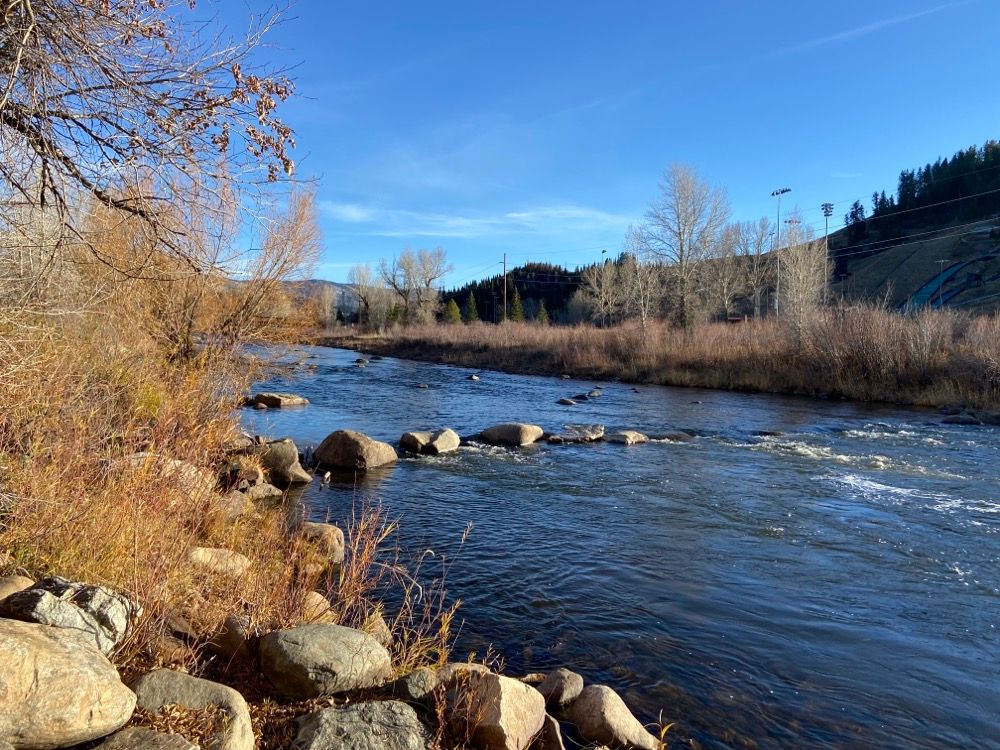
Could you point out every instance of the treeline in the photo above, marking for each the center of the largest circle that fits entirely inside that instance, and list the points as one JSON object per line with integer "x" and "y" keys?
{"x": 537, "y": 289}
{"x": 964, "y": 188}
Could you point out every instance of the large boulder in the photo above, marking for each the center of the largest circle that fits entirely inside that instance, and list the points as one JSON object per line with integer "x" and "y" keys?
{"x": 219, "y": 560}
{"x": 602, "y": 717}
{"x": 164, "y": 687}
{"x": 503, "y": 713}
{"x": 512, "y": 434}
{"x": 321, "y": 659}
{"x": 140, "y": 738}
{"x": 353, "y": 450}
{"x": 431, "y": 443}
{"x": 279, "y": 400}
{"x": 561, "y": 687}
{"x": 327, "y": 537}
{"x": 56, "y": 689}
{"x": 103, "y": 616}
{"x": 376, "y": 725}
{"x": 280, "y": 459}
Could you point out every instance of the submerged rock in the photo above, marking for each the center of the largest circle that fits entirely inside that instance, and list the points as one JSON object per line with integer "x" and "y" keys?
{"x": 512, "y": 434}
{"x": 353, "y": 450}
{"x": 566, "y": 402}
{"x": 56, "y": 689}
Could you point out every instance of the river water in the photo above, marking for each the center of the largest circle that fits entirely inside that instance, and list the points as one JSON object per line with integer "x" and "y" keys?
{"x": 798, "y": 574}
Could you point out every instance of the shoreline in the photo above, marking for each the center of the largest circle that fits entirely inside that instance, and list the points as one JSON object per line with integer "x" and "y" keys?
{"x": 539, "y": 363}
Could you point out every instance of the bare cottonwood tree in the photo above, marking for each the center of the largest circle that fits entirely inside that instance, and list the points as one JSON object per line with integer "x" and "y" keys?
{"x": 753, "y": 243}
{"x": 723, "y": 277}
{"x": 374, "y": 300}
{"x": 805, "y": 271}
{"x": 603, "y": 291}
{"x": 414, "y": 277}
{"x": 642, "y": 277}
{"x": 681, "y": 224}
{"x": 128, "y": 102}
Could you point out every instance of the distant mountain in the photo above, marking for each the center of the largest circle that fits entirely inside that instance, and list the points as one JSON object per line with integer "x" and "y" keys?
{"x": 343, "y": 297}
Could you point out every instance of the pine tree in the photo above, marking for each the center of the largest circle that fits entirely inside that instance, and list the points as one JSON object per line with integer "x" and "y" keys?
{"x": 451, "y": 315}
{"x": 542, "y": 318}
{"x": 470, "y": 314}
{"x": 516, "y": 309}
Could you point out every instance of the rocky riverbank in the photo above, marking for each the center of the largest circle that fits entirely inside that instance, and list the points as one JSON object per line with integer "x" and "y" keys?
{"x": 312, "y": 684}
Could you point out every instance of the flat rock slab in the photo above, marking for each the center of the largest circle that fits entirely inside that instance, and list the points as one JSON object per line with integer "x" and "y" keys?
{"x": 349, "y": 449}
{"x": 140, "y": 738}
{"x": 626, "y": 437}
{"x": 323, "y": 659}
{"x": 280, "y": 400}
{"x": 102, "y": 615}
{"x": 579, "y": 433}
{"x": 513, "y": 434}
{"x": 163, "y": 687}
{"x": 375, "y": 725}
{"x": 56, "y": 689}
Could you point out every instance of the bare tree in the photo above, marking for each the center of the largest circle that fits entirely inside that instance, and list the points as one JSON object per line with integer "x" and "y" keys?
{"x": 414, "y": 276}
{"x": 642, "y": 277}
{"x": 681, "y": 225}
{"x": 603, "y": 292}
{"x": 724, "y": 279}
{"x": 130, "y": 102}
{"x": 366, "y": 286}
{"x": 753, "y": 242}
{"x": 805, "y": 271}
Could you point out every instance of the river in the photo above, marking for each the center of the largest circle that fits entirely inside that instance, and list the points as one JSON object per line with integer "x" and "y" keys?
{"x": 799, "y": 574}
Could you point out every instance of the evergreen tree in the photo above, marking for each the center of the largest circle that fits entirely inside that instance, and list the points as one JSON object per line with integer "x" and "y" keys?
{"x": 542, "y": 318}
{"x": 451, "y": 315}
{"x": 516, "y": 309}
{"x": 471, "y": 313}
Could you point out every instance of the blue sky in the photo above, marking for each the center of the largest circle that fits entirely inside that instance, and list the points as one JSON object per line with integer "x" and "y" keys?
{"x": 541, "y": 129}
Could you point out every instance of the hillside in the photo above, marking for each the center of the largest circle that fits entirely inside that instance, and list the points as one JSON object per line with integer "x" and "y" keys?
{"x": 910, "y": 272}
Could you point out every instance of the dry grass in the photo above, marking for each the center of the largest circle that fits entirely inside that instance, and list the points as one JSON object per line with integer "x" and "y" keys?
{"x": 933, "y": 358}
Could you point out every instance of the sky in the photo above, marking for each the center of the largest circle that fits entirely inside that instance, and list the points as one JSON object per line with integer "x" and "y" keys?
{"x": 541, "y": 129}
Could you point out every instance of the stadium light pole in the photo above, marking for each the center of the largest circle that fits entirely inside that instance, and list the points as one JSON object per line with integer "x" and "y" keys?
{"x": 777, "y": 246}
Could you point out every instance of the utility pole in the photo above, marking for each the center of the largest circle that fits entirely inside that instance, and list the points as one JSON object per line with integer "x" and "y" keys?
{"x": 777, "y": 246}
{"x": 827, "y": 213}
{"x": 505, "y": 287}
{"x": 941, "y": 283}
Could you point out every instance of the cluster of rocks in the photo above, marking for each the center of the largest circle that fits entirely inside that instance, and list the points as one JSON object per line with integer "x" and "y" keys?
{"x": 579, "y": 398}
{"x": 59, "y": 689}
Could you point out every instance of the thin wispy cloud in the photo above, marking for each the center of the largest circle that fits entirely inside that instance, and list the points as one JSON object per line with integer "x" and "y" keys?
{"x": 550, "y": 219}
{"x": 869, "y": 28}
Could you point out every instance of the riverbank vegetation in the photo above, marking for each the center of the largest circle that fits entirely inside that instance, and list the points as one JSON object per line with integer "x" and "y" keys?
{"x": 127, "y": 296}
{"x": 932, "y": 358}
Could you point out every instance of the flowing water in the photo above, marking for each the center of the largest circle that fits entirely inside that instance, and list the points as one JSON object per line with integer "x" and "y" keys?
{"x": 797, "y": 574}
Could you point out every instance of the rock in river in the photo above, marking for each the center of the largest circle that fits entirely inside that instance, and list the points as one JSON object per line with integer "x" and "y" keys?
{"x": 430, "y": 443}
{"x": 506, "y": 713}
{"x": 627, "y": 437}
{"x": 353, "y": 450}
{"x": 56, "y": 689}
{"x": 603, "y": 718}
{"x": 280, "y": 400}
{"x": 512, "y": 434}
